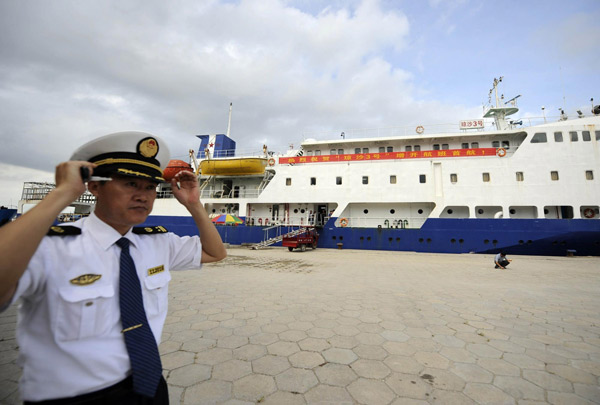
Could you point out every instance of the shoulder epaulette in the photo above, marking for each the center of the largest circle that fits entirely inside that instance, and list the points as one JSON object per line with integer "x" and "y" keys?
{"x": 149, "y": 230}
{"x": 63, "y": 231}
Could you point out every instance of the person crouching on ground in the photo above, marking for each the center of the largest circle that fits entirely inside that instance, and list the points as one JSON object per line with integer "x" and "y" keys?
{"x": 501, "y": 261}
{"x": 94, "y": 294}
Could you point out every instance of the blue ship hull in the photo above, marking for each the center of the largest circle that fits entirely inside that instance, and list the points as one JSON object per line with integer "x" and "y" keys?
{"x": 6, "y": 215}
{"x": 548, "y": 237}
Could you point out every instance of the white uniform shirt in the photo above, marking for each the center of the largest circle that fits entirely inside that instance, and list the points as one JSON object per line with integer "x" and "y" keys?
{"x": 69, "y": 334}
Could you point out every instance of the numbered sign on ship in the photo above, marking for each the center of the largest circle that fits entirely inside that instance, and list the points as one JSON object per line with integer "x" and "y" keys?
{"x": 471, "y": 124}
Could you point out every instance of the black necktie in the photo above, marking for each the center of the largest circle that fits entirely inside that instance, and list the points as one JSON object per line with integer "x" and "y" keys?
{"x": 140, "y": 342}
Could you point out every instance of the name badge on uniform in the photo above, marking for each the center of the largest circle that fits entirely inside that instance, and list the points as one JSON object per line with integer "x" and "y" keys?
{"x": 86, "y": 279}
{"x": 155, "y": 270}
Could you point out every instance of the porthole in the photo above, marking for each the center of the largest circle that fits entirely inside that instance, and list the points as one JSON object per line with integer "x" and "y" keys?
{"x": 450, "y": 211}
{"x": 428, "y": 240}
{"x": 333, "y": 237}
{"x": 452, "y": 240}
{"x": 521, "y": 242}
{"x": 341, "y": 238}
{"x": 529, "y": 242}
{"x": 366, "y": 211}
{"x": 362, "y": 238}
{"x": 368, "y": 238}
{"x": 512, "y": 211}
{"x": 302, "y": 211}
{"x": 397, "y": 239}
{"x": 214, "y": 210}
{"x": 296, "y": 211}
{"x": 420, "y": 240}
{"x": 420, "y": 211}
{"x": 480, "y": 211}
{"x": 494, "y": 241}
{"x": 461, "y": 240}
{"x": 392, "y": 211}
{"x": 546, "y": 211}
{"x": 390, "y": 239}
{"x": 486, "y": 241}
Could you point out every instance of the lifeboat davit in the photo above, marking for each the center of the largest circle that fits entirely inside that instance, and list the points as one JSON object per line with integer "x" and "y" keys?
{"x": 233, "y": 166}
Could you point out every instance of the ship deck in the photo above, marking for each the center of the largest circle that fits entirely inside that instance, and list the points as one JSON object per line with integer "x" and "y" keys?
{"x": 355, "y": 326}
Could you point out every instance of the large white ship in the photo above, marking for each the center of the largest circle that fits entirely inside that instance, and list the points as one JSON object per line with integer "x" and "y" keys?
{"x": 524, "y": 187}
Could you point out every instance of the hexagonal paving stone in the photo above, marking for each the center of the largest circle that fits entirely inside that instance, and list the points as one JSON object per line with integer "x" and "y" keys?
{"x": 296, "y": 380}
{"x": 189, "y": 375}
{"x": 247, "y": 330}
{"x": 343, "y": 342}
{"x": 205, "y": 325}
{"x": 430, "y": 359}
{"x": 323, "y": 394}
{"x": 320, "y": 333}
{"x": 214, "y": 356}
{"x": 442, "y": 379}
{"x": 370, "y": 392}
{"x": 249, "y": 352}
{"x": 306, "y": 359}
{"x": 487, "y": 394}
{"x": 274, "y": 328}
{"x": 401, "y": 348}
{"x": 270, "y": 365}
{"x": 314, "y": 344}
{"x": 231, "y": 370}
{"x": 254, "y": 387}
{"x": 370, "y": 352}
{"x": 282, "y": 397}
{"x": 207, "y": 392}
{"x": 483, "y": 350}
{"x": 283, "y": 348}
{"x": 519, "y": 388}
{"x": 217, "y": 333}
{"x": 370, "y": 369}
{"x": 409, "y": 385}
{"x": 175, "y": 360}
{"x": 232, "y": 342}
{"x": 336, "y": 374}
{"x": 169, "y": 347}
{"x": 472, "y": 373}
{"x": 340, "y": 356}
{"x": 346, "y": 330}
{"x": 394, "y": 336}
{"x": 292, "y": 335}
{"x": 403, "y": 364}
{"x": 198, "y": 345}
{"x": 264, "y": 339}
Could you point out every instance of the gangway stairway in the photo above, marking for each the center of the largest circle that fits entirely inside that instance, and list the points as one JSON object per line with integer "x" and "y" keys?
{"x": 276, "y": 239}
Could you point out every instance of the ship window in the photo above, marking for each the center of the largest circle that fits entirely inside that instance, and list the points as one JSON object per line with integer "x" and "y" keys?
{"x": 382, "y": 149}
{"x": 519, "y": 176}
{"x": 408, "y": 148}
{"x": 598, "y": 135}
{"x": 417, "y": 148}
{"x": 317, "y": 153}
{"x": 309, "y": 153}
{"x": 357, "y": 150}
{"x": 453, "y": 178}
{"x": 496, "y": 144}
{"x": 589, "y": 175}
{"x": 474, "y": 145}
{"x": 420, "y": 211}
{"x": 295, "y": 210}
{"x": 392, "y": 211}
{"x": 539, "y": 137}
{"x": 465, "y": 145}
{"x": 486, "y": 177}
{"x": 422, "y": 178}
{"x": 338, "y": 180}
{"x": 445, "y": 146}
{"x": 558, "y": 137}
{"x": 365, "y": 179}
{"x": 573, "y": 135}
{"x": 506, "y": 144}
{"x": 288, "y": 181}
{"x": 390, "y": 149}
{"x": 340, "y": 151}
{"x": 554, "y": 175}
{"x": 393, "y": 179}
{"x": 365, "y": 150}
{"x": 436, "y": 146}
{"x": 366, "y": 211}
{"x": 313, "y": 181}
{"x": 332, "y": 152}
{"x": 585, "y": 135}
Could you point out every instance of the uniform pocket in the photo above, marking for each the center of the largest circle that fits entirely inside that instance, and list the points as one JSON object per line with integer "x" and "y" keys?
{"x": 157, "y": 298}
{"x": 84, "y": 311}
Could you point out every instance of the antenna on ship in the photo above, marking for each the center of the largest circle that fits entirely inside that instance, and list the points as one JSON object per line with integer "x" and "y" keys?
{"x": 229, "y": 124}
{"x": 499, "y": 113}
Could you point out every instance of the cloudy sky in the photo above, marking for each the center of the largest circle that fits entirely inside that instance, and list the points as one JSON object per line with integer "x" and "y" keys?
{"x": 74, "y": 70}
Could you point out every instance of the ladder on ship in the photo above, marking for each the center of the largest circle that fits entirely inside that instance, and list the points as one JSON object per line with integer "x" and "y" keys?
{"x": 276, "y": 239}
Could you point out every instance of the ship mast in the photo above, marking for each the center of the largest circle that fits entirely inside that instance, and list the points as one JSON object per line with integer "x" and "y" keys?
{"x": 499, "y": 113}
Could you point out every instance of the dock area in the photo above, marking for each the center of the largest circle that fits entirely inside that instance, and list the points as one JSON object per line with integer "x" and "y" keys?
{"x": 372, "y": 327}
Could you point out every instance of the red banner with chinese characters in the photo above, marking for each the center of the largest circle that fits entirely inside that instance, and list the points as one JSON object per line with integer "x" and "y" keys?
{"x": 361, "y": 157}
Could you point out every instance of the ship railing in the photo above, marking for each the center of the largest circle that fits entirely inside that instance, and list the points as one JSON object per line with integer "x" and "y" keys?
{"x": 36, "y": 191}
{"x": 257, "y": 220}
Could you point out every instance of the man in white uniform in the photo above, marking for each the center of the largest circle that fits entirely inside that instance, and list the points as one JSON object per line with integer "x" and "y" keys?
{"x": 94, "y": 295}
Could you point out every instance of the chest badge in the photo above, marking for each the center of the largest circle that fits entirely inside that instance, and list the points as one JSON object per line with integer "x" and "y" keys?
{"x": 155, "y": 270}
{"x": 86, "y": 279}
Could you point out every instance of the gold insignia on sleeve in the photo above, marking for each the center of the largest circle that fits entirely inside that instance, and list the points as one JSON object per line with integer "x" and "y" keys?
{"x": 155, "y": 270}
{"x": 57, "y": 229}
{"x": 148, "y": 147}
{"x": 86, "y": 279}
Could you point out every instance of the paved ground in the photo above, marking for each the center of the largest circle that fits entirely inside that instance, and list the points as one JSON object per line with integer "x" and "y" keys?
{"x": 365, "y": 327}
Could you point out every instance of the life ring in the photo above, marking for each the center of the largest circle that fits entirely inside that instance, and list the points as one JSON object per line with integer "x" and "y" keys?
{"x": 271, "y": 162}
{"x": 589, "y": 213}
{"x": 501, "y": 152}
{"x": 344, "y": 222}
{"x": 420, "y": 129}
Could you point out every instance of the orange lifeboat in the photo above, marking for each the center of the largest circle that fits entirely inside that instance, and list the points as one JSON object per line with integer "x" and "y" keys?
{"x": 174, "y": 167}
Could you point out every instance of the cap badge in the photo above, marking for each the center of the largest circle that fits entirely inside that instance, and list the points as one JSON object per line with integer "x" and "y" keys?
{"x": 148, "y": 147}
{"x": 86, "y": 279}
